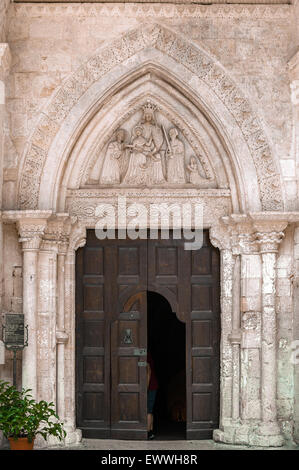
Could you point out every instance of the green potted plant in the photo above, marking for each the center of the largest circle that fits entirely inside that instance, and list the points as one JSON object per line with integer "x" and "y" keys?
{"x": 22, "y": 418}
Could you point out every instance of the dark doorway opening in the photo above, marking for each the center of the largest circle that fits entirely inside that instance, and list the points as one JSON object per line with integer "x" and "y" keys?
{"x": 167, "y": 344}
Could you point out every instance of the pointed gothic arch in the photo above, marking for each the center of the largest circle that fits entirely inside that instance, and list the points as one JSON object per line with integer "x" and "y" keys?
{"x": 184, "y": 68}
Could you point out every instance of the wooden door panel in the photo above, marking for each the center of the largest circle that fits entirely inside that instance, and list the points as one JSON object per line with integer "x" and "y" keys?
{"x": 203, "y": 333}
{"x": 108, "y": 272}
{"x": 92, "y": 379}
{"x": 111, "y": 383}
{"x": 128, "y": 371}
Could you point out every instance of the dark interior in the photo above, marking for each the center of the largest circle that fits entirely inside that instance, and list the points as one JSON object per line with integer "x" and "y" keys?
{"x": 167, "y": 344}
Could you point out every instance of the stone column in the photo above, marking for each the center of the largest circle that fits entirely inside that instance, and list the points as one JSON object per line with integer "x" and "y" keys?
{"x": 62, "y": 335}
{"x": 268, "y": 237}
{"x": 250, "y": 321}
{"x": 220, "y": 238}
{"x": 235, "y": 339}
{"x": 46, "y": 328}
{"x": 77, "y": 239}
{"x": 31, "y": 226}
{"x": 50, "y": 312}
{"x": 295, "y": 349}
{"x": 4, "y": 69}
{"x": 244, "y": 336}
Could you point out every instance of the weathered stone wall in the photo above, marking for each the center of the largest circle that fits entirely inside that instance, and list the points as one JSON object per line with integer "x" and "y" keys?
{"x": 3, "y": 16}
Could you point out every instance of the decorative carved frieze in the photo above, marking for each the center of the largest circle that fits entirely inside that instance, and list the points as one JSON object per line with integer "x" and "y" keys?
{"x": 159, "y": 10}
{"x": 88, "y": 205}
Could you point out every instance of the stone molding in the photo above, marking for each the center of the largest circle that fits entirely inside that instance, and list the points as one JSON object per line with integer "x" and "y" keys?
{"x": 83, "y": 203}
{"x": 235, "y": 337}
{"x": 275, "y": 10}
{"x": 293, "y": 66}
{"x": 61, "y": 337}
{"x": 5, "y": 60}
{"x": 192, "y": 58}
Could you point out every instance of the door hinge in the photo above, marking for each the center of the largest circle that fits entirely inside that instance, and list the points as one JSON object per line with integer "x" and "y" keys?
{"x": 142, "y": 364}
{"x": 140, "y": 352}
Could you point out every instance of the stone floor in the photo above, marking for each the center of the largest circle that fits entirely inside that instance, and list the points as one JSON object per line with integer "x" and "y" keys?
{"x": 107, "y": 444}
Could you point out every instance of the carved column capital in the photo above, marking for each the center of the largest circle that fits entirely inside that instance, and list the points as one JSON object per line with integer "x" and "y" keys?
{"x": 269, "y": 241}
{"x": 31, "y": 226}
{"x": 241, "y": 230}
{"x": 31, "y": 244}
{"x": 220, "y": 236}
{"x": 57, "y": 227}
{"x": 268, "y": 233}
{"x": 77, "y": 236}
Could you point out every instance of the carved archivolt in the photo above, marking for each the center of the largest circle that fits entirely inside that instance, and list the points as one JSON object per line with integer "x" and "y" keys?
{"x": 183, "y": 52}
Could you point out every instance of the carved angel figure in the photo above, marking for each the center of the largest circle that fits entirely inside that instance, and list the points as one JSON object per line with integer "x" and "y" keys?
{"x": 175, "y": 159}
{"x": 111, "y": 167}
{"x": 194, "y": 175}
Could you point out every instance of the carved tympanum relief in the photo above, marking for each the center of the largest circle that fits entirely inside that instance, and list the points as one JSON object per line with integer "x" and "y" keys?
{"x": 150, "y": 151}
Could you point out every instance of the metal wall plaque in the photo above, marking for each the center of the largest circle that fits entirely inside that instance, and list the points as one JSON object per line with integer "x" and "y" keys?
{"x": 14, "y": 329}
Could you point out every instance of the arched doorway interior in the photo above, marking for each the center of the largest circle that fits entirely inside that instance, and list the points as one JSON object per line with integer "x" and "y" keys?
{"x": 166, "y": 339}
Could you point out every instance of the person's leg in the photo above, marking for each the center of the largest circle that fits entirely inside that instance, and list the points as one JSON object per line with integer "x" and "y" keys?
{"x": 151, "y": 395}
{"x": 149, "y": 421}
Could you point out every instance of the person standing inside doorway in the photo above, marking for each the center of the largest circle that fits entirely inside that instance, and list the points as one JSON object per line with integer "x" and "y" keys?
{"x": 152, "y": 387}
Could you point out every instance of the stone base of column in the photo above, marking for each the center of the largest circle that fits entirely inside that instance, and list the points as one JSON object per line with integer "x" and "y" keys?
{"x": 269, "y": 434}
{"x": 73, "y": 437}
{"x": 249, "y": 434}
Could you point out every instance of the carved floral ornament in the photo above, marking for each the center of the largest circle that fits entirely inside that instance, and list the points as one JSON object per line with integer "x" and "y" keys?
{"x": 193, "y": 59}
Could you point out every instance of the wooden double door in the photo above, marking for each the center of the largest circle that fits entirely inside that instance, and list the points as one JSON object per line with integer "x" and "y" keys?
{"x": 112, "y": 279}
